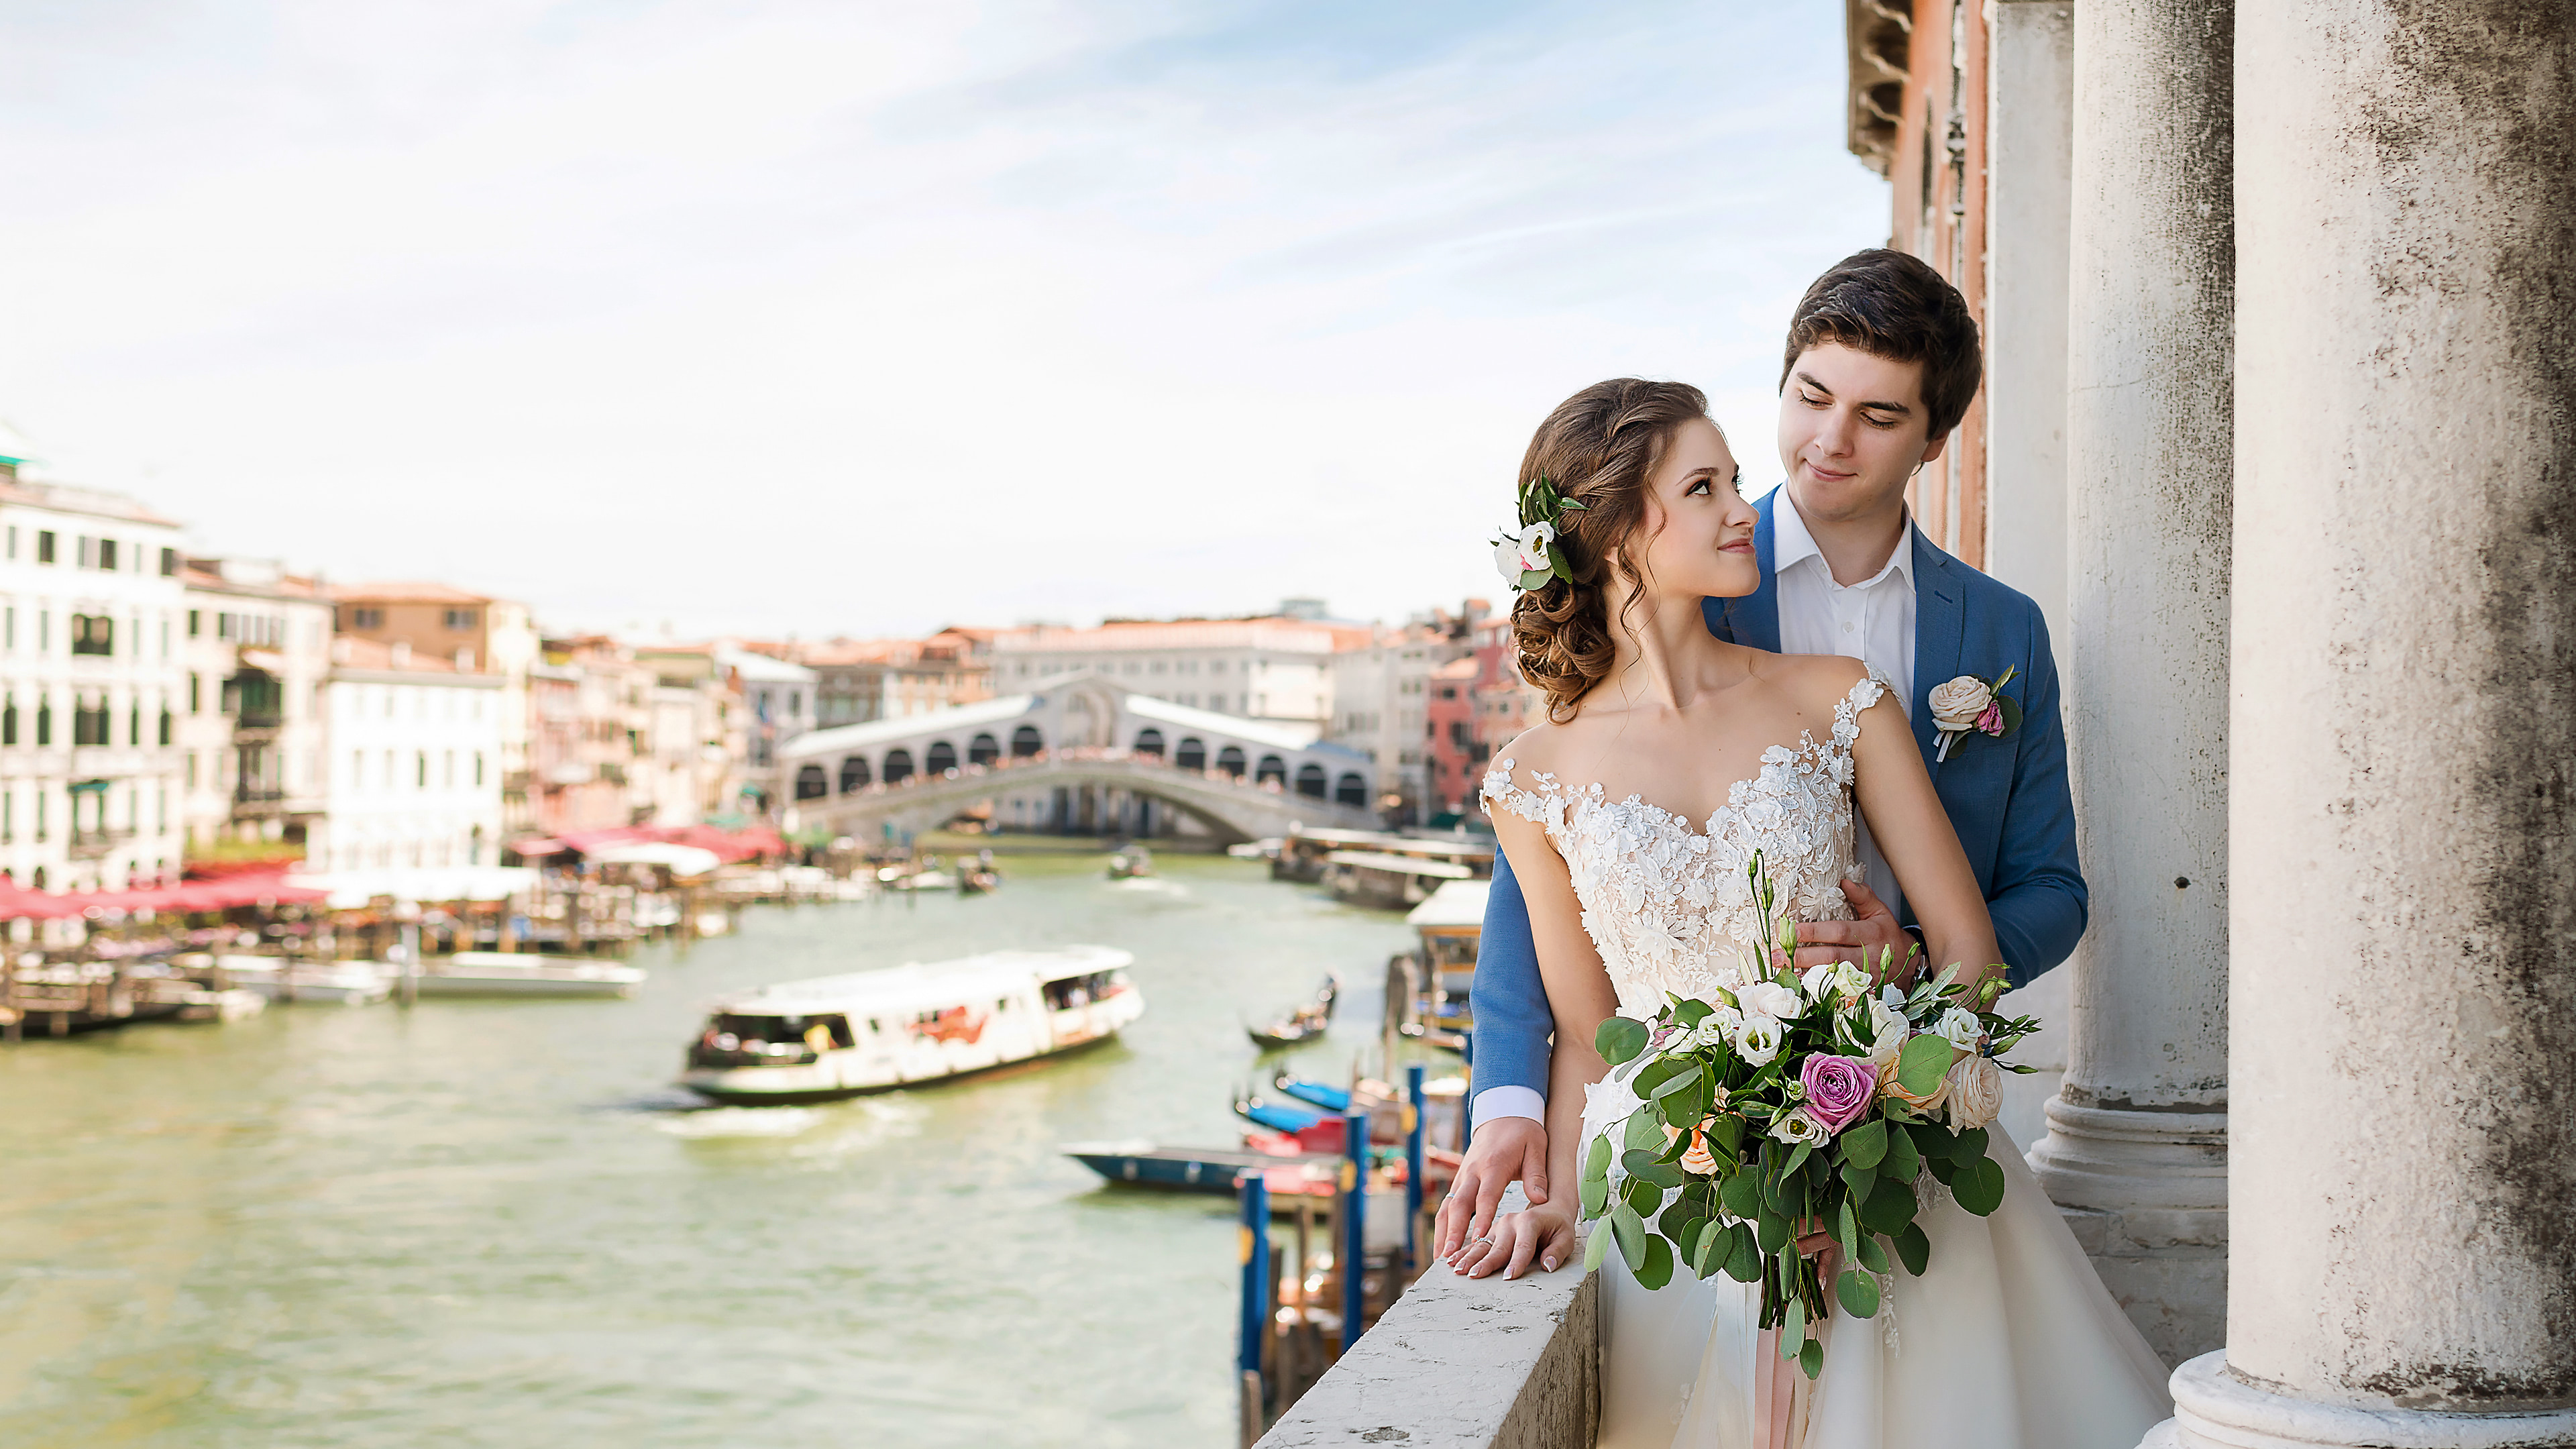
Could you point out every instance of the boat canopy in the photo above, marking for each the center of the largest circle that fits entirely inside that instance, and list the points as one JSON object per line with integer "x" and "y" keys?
{"x": 1456, "y": 906}
{"x": 1400, "y": 865}
{"x": 925, "y": 986}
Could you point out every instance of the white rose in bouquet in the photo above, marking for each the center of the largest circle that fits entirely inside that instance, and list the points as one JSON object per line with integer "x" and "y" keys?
{"x": 1888, "y": 1027}
{"x": 1819, "y": 980}
{"x": 1956, "y": 704}
{"x": 1976, "y": 1092}
{"x": 1771, "y": 999}
{"x": 1960, "y": 1028}
{"x": 1794, "y": 1126}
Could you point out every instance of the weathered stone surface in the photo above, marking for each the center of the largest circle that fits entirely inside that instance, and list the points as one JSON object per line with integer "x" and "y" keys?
{"x": 1463, "y": 1363}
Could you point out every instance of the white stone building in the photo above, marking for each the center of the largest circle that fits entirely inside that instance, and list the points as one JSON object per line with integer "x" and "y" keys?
{"x": 89, "y": 684}
{"x": 780, "y": 697}
{"x": 1379, "y": 694}
{"x": 251, "y": 730}
{"x": 415, "y": 761}
{"x": 1274, "y": 669}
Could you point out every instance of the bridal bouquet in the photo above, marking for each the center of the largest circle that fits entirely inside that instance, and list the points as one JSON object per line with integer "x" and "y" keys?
{"x": 1794, "y": 1107}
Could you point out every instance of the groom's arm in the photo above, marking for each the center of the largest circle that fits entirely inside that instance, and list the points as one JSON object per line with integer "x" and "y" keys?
{"x": 2037, "y": 895}
{"x": 1513, "y": 1020}
{"x": 1510, "y": 1064}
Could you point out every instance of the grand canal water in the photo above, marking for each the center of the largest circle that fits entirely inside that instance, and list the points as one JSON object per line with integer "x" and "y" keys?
{"x": 496, "y": 1224}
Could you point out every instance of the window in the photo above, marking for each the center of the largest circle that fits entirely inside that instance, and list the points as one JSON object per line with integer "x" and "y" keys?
{"x": 134, "y": 724}
{"x": 366, "y": 618}
{"x": 107, "y": 554}
{"x": 192, "y": 623}
{"x": 9, "y": 628}
{"x": 478, "y": 768}
{"x": 85, "y": 552}
{"x": 194, "y": 703}
{"x": 13, "y": 540}
{"x": 192, "y": 769}
{"x": 89, "y": 722}
{"x": 9, "y": 721}
{"x": 41, "y": 794}
{"x": 420, "y": 760}
{"x": 44, "y": 555}
{"x": 44, "y": 736}
{"x": 458, "y": 620}
{"x": 93, "y": 634}
{"x": 169, "y": 563}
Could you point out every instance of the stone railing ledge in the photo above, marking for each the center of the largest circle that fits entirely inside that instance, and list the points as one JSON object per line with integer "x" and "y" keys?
{"x": 1461, "y": 1363}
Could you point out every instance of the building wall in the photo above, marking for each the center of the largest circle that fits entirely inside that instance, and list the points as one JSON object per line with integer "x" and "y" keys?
{"x": 1260, "y": 669}
{"x": 129, "y": 805}
{"x": 250, "y": 766}
{"x": 415, "y": 770}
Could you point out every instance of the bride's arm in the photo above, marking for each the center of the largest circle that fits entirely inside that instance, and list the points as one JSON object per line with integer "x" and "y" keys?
{"x": 1915, "y": 835}
{"x": 1580, "y": 998}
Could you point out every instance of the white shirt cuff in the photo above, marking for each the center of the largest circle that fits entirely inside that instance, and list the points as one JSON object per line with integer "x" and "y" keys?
{"x": 1496, "y": 1102}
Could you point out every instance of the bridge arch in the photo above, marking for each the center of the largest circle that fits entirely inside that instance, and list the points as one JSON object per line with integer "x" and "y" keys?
{"x": 1230, "y": 760}
{"x": 898, "y": 766}
{"x": 1271, "y": 768}
{"x": 854, "y": 773}
{"x": 810, "y": 784}
{"x": 982, "y": 750}
{"x": 941, "y": 758}
{"x": 1149, "y": 741}
{"x": 1350, "y": 789}
{"x": 1310, "y": 780}
{"x": 1190, "y": 753}
{"x": 1026, "y": 741}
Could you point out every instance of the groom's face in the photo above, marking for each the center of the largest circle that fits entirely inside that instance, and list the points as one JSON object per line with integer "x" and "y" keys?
{"x": 1852, "y": 430}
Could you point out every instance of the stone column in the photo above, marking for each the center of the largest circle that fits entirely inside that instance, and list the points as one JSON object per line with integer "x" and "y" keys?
{"x": 2136, "y": 1147}
{"x": 2404, "y": 1002}
{"x": 2030, "y": 116}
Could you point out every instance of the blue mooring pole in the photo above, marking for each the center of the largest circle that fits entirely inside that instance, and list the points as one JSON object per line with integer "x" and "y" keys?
{"x": 1355, "y": 1124}
{"x": 1413, "y": 1129}
{"x": 1256, "y": 1271}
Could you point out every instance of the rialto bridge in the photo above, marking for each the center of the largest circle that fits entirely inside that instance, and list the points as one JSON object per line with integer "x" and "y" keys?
{"x": 1077, "y": 754}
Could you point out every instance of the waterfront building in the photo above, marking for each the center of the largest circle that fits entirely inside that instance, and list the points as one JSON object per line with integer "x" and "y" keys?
{"x": 592, "y": 712}
{"x": 90, "y": 674}
{"x": 415, "y": 760}
{"x": 1503, "y": 703}
{"x": 1379, "y": 693}
{"x": 475, "y": 633}
{"x": 701, "y": 737}
{"x": 780, "y": 697}
{"x": 251, "y": 731}
{"x": 1454, "y": 751}
{"x": 857, "y": 681}
{"x": 1273, "y": 668}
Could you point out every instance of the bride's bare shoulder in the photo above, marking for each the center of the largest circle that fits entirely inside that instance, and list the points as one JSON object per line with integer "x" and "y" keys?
{"x": 1537, "y": 748}
{"x": 1814, "y": 682}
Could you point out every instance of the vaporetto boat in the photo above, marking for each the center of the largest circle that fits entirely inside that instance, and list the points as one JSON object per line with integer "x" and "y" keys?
{"x": 871, "y": 1031}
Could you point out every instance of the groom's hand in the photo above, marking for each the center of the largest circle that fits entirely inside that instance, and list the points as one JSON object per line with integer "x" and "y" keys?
{"x": 1501, "y": 1150}
{"x": 1859, "y": 940}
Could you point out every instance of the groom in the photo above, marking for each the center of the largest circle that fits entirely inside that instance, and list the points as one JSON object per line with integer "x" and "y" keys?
{"x": 1882, "y": 362}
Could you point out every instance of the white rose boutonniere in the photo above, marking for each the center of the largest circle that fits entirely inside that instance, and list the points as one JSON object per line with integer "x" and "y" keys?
{"x": 1968, "y": 705}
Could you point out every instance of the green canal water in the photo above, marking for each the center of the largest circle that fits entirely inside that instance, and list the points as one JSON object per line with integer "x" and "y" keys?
{"x": 497, "y": 1224}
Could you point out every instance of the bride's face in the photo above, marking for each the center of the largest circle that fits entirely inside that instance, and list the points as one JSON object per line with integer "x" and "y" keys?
{"x": 1699, "y": 529}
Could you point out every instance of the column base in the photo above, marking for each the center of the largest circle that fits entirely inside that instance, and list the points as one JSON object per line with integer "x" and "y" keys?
{"x": 2213, "y": 1409}
{"x": 2145, "y": 1192}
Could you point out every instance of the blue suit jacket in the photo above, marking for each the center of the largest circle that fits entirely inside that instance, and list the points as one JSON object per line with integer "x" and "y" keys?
{"x": 2007, "y": 798}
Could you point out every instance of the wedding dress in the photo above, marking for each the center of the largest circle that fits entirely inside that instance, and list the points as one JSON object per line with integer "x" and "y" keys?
{"x": 2008, "y": 1341}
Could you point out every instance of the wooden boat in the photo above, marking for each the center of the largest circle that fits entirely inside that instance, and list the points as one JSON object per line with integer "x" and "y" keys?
{"x": 1303, "y": 1024}
{"x": 525, "y": 974}
{"x": 1427, "y": 989}
{"x": 978, "y": 876}
{"x": 1132, "y": 863}
{"x": 310, "y": 983}
{"x": 1207, "y": 1169}
{"x": 840, "y": 1036}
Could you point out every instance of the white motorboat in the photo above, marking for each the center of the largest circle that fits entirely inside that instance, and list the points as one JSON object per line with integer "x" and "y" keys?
{"x": 839, "y": 1036}
{"x": 525, "y": 974}
{"x": 314, "y": 983}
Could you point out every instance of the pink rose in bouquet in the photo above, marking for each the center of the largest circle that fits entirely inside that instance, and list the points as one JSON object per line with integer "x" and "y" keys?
{"x": 1839, "y": 1089}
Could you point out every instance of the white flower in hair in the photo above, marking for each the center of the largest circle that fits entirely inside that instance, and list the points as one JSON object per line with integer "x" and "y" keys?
{"x": 1524, "y": 552}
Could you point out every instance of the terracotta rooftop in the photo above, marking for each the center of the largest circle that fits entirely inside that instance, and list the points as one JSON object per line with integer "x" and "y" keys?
{"x": 406, "y": 593}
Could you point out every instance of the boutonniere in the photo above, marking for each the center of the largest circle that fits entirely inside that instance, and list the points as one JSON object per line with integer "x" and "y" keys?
{"x": 1969, "y": 703}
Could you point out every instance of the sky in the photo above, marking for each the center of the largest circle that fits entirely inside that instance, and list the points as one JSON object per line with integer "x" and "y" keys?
{"x": 813, "y": 319}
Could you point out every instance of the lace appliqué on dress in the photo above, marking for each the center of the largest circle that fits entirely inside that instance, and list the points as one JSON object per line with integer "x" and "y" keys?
{"x": 1667, "y": 906}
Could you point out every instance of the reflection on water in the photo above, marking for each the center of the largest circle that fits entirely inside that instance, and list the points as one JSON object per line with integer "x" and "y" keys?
{"x": 496, "y": 1223}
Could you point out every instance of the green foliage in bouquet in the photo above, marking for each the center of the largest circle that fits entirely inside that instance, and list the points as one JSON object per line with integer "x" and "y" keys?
{"x": 1760, "y": 1125}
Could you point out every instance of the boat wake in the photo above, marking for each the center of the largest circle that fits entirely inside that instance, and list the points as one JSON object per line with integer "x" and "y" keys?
{"x": 1146, "y": 885}
{"x": 741, "y": 1122}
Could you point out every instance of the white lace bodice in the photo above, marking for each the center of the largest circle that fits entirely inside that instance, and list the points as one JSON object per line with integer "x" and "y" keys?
{"x": 1669, "y": 907}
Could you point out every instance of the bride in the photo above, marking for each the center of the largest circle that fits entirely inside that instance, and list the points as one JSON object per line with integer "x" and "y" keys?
{"x": 1669, "y": 758}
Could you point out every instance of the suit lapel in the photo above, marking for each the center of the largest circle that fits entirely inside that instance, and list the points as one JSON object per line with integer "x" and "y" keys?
{"x": 1940, "y": 624}
{"x": 1754, "y": 620}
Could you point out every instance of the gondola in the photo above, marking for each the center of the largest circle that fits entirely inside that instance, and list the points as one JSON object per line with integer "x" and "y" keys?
{"x": 1303, "y": 1024}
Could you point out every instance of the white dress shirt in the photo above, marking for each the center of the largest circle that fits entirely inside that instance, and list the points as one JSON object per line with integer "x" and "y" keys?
{"x": 1871, "y": 621}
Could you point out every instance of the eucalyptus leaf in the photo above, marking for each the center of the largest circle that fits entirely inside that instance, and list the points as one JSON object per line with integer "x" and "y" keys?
{"x": 1643, "y": 1131}
{"x": 1596, "y": 1159}
{"x": 1538, "y": 578}
{"x": 1901, "y": 1161}
{"x": 1920, "y": 1066}
{"x": 1657, "y": 1270}
{"x": 1630, "y": 1229}
{"x": 1743, "y": 1255}
{"x": 1858, "y": 1292}
{"x": 1858, "y": 1180}
{"x": 1661, "y": 1174}
{"x": 1871, "y": 1255}
{"x": 1691, "y": 1011}
{"x": 1913, "y": 1249}
{"x": 1979, "y": 1187}
{"x": 1771, "y": 1232}
{"x": 1794, "y": 1329}
{"x": 2011, "y": 712}
{"x": 1741, "y": 1194}
{"x": 1728, "y": 1133}
{"x": 1596, "y": 1248}
{"x": 1684, "y": 1077}
{"x": 1889, "y": 1208}
{"x": 1596, "y": 1196}
{"x": 1654, "y": 1074}
{"x": 1798, "y": 1158}
{"x": 1811, "y": 1359}
{"x": 1864, "y": 1145}
{"x": 1971, "y": 1145}
{"x": 1847, "y": 1231}
{"x": 1619, "y": 1038}
{"x": 1641, "y": 1196}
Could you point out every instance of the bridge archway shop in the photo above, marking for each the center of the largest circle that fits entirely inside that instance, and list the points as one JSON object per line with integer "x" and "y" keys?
{"x": 1086, "y": 756}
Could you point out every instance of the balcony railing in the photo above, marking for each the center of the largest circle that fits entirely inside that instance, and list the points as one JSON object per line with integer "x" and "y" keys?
{"x": 91, "y": 844}
{"x": 1464, "y": 1363}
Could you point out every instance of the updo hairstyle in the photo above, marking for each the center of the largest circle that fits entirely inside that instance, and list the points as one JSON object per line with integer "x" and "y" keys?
{"x": 1599, "y": 447}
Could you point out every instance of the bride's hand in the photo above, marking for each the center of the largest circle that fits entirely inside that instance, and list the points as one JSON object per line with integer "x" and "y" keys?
{"x": 1542, "y": 1233}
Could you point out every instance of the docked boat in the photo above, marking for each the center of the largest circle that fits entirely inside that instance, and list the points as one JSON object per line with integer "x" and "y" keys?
{"x": 1133, "y": 863}
{"x": 1428, "y": 988}
{"x": 1209, "y": 1169}
{"x": 310, "y": 983}
{"x": 525, "y": 974}
{"x": 840, "y": 1036}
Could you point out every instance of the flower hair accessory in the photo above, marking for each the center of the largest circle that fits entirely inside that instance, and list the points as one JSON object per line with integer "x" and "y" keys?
{"x": 1523, "y": 556}
{"x": 1967, "y": 704}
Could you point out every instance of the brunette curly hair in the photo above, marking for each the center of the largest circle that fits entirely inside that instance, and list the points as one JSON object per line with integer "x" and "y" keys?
{"x": 1598, "y": 447}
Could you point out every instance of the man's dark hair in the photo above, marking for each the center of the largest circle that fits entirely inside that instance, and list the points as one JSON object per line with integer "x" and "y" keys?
{"x": 1891, "y": 304}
